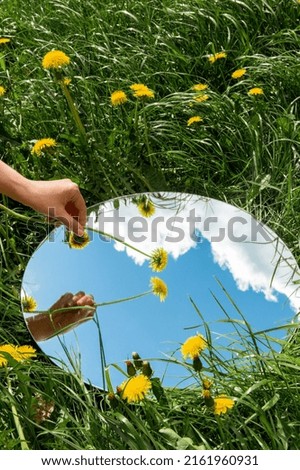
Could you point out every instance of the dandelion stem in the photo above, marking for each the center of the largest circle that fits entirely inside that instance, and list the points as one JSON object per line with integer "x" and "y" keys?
{"x": 119, "y": 240}
{"x": 101, "y": 350}
{"x": 24, "y": 445}
{"x": 14, "y": 214}
{"x": 88, "y": 307}
{"x": 2, "y": 62}
{"x": 125, "y": 299}
{"x": 74, "y": 112}
{"x": 147, "y": 137}
{"x": 136, "y": 118}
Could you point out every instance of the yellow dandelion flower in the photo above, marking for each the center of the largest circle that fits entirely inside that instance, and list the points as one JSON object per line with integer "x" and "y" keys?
{"x": 193, "y": 346}
{"x": 43, "y": 145}
{"x": 137, "y": 86}
{"x": 144, "y": 93}
{"x": 238, "y": 73}
{"x": 159, "y": 288}
{"x": 141, "y": 91}
{"x": 118, "y": 97}
{"x": 222, "y": 404}
{"x": 201, "y": 98}
{"x": 146, "y": 207}
{"x": 194, "y": 119}
{"x": 4, "y": 40}
{"x": 159, "y": 260}
{"x": 29, "y": 304}
{"x": 18, "y": 353}
{"x": 200, "y": 87}
{"x": 135, "y": 389}
{"x": 256, "y": 91}
{"x": 2, "y": 90}
{"x": 219, "y": 55}
{"x": 78, "y": 242}
{"x": 6, "y": 349}
{"x": 23, "y": 353}
{"x": 55, "y": 60}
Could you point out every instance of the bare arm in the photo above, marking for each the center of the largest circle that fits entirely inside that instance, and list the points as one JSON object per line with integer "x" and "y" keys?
{"x": 59, "y": 198}
{"x": 43, "y": 326}
{"x": 13, "y": 184}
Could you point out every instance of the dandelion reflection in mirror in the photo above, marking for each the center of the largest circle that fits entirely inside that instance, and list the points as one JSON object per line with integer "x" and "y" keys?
{"x": 162, "y": 268}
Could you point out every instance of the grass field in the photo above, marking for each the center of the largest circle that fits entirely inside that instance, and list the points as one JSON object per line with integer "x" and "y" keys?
{"x": 244, "y": 151}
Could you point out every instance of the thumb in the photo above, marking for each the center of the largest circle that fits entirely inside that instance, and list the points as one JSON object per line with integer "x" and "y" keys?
{"x": 71, "y": 223}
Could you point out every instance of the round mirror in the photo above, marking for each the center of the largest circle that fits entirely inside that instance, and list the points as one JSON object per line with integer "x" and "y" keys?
{"x": 153, "y": 270}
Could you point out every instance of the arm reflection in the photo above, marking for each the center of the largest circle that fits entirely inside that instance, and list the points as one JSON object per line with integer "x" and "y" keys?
{"x": 62, "y": 316}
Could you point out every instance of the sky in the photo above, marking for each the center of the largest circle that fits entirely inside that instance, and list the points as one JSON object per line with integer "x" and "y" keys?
{"x": 257, "y": 271}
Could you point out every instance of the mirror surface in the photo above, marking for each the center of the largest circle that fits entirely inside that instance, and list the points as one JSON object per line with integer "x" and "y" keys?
{"x": 224, "y": 270}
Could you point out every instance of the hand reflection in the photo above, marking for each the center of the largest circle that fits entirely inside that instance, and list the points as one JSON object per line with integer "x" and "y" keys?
{"x": 59, "y": 319}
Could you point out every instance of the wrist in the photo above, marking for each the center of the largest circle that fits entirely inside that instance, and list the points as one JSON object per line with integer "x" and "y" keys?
{"x": 28, "y": 193}
{"x": 24, "y": 192}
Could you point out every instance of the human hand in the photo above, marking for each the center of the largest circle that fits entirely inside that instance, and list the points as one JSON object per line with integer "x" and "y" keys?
{"x": 58, "y": 199}
{"x": 59, "y": 319}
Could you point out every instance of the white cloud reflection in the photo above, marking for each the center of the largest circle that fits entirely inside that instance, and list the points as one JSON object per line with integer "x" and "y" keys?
{"x": 260, "y": 261}
{"x": 256, "y": 263}
{"x": 157, "y": 231}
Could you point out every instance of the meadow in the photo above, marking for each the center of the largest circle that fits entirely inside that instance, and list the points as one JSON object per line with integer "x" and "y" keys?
{"x": 218, "y": 117}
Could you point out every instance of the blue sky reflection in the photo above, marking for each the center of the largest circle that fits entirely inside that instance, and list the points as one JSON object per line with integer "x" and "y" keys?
{"x": 201, "y": 236}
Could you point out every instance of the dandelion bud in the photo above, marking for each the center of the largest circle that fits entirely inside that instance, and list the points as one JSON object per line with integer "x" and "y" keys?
{"x": 207, "y": 383}
{"x": 112, "y": 399}
{"x": 138, "y": 363}
{"x": 206, "y": 393}
{"x": 197, "y": 364}
{"x": 130, "y": 368}
{"x": 147, "y": 370}
{"x": 209, "y": 401}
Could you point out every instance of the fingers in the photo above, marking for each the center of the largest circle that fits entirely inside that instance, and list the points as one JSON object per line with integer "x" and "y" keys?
{"x": 75, "y": 209}
{"x": 89, "y": 313}
{"x": 72, "y": 210}
{"x": 71, "y": 223}
{"x": 80, "y": 299}
{"x": 85, "y": 300}
{"x": 68, "y": 312}
{"x": 62, "y": 302}
{"x": 79, "y": 203}
{"x": 78, "y": 296}
{"x": 81, "y": 314}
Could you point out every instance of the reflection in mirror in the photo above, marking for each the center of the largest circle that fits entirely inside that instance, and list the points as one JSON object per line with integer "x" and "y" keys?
{"x": 170, "y": 277}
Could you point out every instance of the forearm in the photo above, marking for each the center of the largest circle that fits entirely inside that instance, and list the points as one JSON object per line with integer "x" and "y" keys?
{"x": 61, "y": 199}
{"x": 41, "y": 327}
{"x": 45, "y": 325}
{"x": 14, "y": 185}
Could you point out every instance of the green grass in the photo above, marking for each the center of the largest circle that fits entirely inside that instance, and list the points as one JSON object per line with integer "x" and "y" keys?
{"x": 245, "y": 152}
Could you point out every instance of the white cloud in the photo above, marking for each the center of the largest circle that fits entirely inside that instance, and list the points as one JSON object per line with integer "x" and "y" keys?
{"x": 260, "y": 262}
